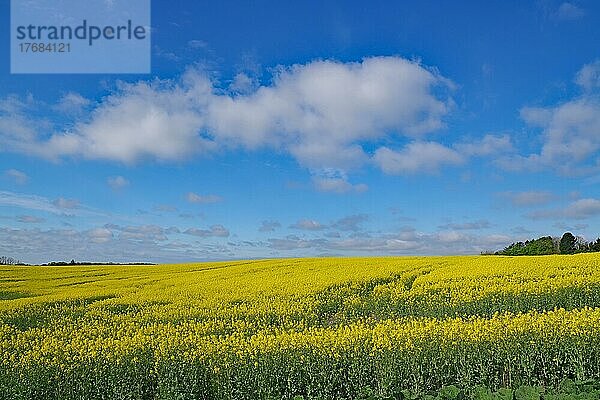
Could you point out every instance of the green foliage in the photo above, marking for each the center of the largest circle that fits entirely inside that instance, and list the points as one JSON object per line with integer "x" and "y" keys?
{"x": 482, "y": 393}
{"x": 567, "y": 243}
{"x": 534, "y": 247}
{"x": 450, "y": 392}
{"x": 504, "y": 394}
{"x": 527, "y": 393}
{"x": 567, "y": 390}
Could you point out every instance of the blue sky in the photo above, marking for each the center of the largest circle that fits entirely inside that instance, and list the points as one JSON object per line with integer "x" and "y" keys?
{"x": 275, "y": 129}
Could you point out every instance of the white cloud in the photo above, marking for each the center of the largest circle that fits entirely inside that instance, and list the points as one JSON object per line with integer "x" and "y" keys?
{"x": 429, "y": 157}
{"x": 117, "y": 182}
{"x": 583, "y": 208}
{"x": 100, "y": 235}
{"x": 337, "y": 185}
{"x": 569, "y": 12}
{"x": 588, "y": 76}
{"x": 416, "y": 157}
{"x": 243, "y": 84}
{"x": 293, "y": 242}
{"x": 488, "y": 145}
{"x": 451, "y": 236}
{"x": 141, "y": 232}
{"x": 308, "y": 225}
{"x": 203, "y": 199}
{"x": 145, "y": 119}
{"x": 321, "y": 113}
{"x": 66, "y": 204}
{"x": 213, "y": 231}
{"x": 570, "y": 134}
{"x": 269, "y": 226}
{"x": 350, "y": 222}
{"x": 578, "y": 209}
{"x": 19, "y": 177}
{"x": 19, "y": 131}
{"x": 72, "y": 104}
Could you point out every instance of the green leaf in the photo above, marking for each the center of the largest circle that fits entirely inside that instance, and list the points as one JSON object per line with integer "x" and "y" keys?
{"x": 450, "y": 392}
{"x": 527, "y": 393}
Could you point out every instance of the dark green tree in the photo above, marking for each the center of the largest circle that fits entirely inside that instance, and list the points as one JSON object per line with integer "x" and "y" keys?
{"x": 567, "y": 243}
{"x": 533, "y": 247}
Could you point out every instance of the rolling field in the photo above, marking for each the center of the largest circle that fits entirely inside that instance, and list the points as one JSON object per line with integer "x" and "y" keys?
{"x": 318, "y": 328}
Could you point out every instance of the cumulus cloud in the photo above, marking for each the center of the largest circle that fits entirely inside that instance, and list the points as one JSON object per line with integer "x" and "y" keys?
{"x": 578, "y": 209}
{"x": 243, "y": 84}
{"x": 293, "y": 242}
{"x": 19, "y": 131}
{"x": 416, "y": 157}
{"x": 487, "y": 145}
{"x": 117, "y": 182}
{"x": 583, "y": 208}
{"x": 269, "y": 226}
{"x": 72, "y": 104}
{"x": 18, "y": 177}
{"x": 321, "y": 113}
{"x": 99, "y": 235}
{"x": 350, "y": 222}
{"x": 429, "y": 157}
{"x": 568, "y": 11}
{"x": 336, "y": 181}
{"x": 213, "y": 231}
{"x": 142, "y": 232}
{"x": 308, "y": 225}
{"x": 570, "y": 138}
{"x": 588, "y": 76}
{"x": 66, "y": 204}
{"x": 203, "y": 199}
{"x": 569, "y": 132}
{"x": 338, "y": 185}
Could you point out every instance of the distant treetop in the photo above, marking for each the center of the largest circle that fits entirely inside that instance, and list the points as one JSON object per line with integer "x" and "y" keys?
{"x": 567, "y": 244}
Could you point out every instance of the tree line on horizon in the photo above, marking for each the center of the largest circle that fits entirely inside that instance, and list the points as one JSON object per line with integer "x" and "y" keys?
{"x": 13, "y": 261}
{"x": 4, "y": 260}
{"x": 567, "y": 244}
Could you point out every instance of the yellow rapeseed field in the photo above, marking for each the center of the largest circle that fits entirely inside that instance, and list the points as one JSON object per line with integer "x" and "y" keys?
{"x": 318, "y": 328}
